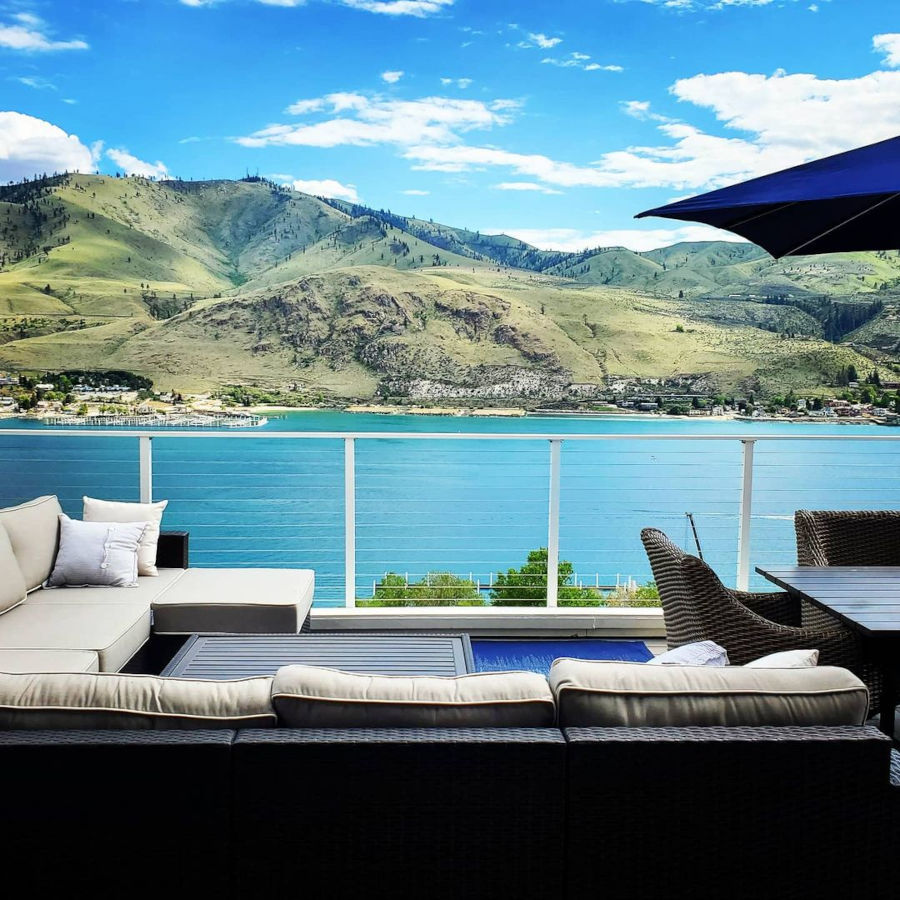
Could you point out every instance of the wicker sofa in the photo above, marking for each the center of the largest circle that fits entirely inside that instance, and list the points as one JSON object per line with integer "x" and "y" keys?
{"x": 90, "y": 629}
{"x": 531, "y": 812}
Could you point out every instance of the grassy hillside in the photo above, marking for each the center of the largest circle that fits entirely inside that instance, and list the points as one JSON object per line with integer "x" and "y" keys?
{"x": 196, "y": 284}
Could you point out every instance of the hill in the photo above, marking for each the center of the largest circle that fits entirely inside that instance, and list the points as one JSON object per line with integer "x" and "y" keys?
{"x": 199, "y": 284}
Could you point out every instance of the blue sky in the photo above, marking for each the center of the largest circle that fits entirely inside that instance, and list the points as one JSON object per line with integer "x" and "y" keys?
{"x": 554, "y": 121}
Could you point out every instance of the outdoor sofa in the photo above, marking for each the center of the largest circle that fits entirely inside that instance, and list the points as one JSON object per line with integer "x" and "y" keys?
{"x": 105, "y": 629}
{"x": 483, "y": 786}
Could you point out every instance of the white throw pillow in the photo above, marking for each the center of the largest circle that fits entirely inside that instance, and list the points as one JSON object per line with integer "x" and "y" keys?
{"x": 100, "y": 554}
{"x": 787, "y": 659}
{"x": 150, "y": 513}
{"x": 701, "y": 653}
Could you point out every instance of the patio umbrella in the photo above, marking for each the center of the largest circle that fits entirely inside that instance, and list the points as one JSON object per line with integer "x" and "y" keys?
{"x": 840, "y": 203}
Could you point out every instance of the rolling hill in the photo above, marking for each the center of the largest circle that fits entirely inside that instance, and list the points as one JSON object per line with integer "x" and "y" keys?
{"x": 199, "y": 284}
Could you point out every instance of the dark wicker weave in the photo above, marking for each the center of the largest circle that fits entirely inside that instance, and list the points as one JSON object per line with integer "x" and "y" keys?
{"x": 698, "y": 607}
{"x": 847, "y": 538}
{"x": 711, "y": 798}
{"x": 417, "y": 814}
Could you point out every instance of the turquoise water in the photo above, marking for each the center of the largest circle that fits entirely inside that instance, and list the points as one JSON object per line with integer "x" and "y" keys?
{"x": 464, "y": 506}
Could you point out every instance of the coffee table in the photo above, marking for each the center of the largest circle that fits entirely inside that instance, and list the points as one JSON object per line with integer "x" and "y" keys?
{"x": 224, "y": 656}
{"x": 867, "y": 600}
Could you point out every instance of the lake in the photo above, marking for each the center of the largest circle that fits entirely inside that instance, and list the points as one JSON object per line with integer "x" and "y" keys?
{"x": 465, "y": 506}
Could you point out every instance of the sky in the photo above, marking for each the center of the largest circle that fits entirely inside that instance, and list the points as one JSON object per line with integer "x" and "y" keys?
{"x": 552, "y": 120}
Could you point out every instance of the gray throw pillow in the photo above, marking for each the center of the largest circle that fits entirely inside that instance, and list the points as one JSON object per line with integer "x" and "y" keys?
{"x": 101, "y": 554}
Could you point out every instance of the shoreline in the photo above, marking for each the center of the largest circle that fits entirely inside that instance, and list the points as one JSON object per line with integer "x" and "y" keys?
{"x": 512, "y": 413}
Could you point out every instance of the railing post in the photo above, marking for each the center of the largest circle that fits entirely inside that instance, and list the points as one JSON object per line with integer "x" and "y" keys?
{"x": 349, "y": 522}
{"x": 553, "y": 526}
{"x": 744, "y": 521}
{"x": 145, "y": 444}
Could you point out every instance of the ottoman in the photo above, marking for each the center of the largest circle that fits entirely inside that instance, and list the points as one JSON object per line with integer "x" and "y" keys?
{"x": 236, "y": 601}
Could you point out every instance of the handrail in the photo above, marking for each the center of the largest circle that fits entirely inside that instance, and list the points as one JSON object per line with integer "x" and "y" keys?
{"x": 443, "y": 435}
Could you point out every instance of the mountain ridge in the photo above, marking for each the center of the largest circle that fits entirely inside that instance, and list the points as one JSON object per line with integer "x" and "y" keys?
{"x": 206, "y": 283}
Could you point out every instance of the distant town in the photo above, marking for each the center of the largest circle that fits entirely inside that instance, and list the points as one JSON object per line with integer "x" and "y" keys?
{"x": 118, "y": 397}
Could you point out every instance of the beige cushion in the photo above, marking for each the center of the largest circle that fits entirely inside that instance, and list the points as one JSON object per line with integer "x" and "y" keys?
{"x": 113, "y": 511}
{"x": 311, "y": 697}
{"x": 235, "y": 601}
{"x": 786, "y": 659}
{"x": 591, "y": 693}
{"x": 33, "y": 530}
{"x": 143, "y": 594}
{"x": 133, "y": 701}
{"x": 12, "y": 582}
{"x": 49, "y": 661}
{"x": 115, "y": 631}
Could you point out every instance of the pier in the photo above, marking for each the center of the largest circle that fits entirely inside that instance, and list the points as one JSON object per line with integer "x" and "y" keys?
{"x": 162, "y": 420}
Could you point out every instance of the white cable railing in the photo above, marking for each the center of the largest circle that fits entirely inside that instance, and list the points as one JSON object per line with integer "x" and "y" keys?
{"x": 729, "y": 489}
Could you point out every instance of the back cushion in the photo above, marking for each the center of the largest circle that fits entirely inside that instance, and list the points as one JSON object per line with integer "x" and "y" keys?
{"x": 33, "y": 530}
{"x": 108, "y": 700}
{"x": 310, "y": 697}
{"x": 12, "y": 582}
{"x": 606, "y": 694}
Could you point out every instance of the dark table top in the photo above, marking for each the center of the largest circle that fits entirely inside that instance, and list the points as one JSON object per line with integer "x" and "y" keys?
{"x": 223, "y": 656}
{"x": 865, "y": 597}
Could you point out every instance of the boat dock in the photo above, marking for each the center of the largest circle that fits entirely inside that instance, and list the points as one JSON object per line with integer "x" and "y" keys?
{"x": 161, "y": 420}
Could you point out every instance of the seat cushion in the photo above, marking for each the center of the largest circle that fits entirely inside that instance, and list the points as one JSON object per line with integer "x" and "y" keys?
{"x": 12, "y": 582}
{"x": 115, "y": 631}
{"x": 33, "y": 530}
{"x": 144, "y": 593}
{"x": 312, "y": 697}
{"x": 591, "y": 693}
{"x": 49, "y": 661}
{"x": 235, "y": 601}
{"x": 133, "y": 701}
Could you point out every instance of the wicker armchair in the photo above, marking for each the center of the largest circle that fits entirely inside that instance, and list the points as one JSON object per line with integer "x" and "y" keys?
{"x": 847, "y": 538}
{"x": 698, "y": 607}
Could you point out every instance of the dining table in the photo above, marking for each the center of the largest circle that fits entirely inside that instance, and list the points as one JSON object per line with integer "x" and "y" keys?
{"x": 867, "y": 600}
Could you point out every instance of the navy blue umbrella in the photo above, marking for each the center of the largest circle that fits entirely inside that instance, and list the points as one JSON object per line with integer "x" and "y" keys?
{"x": 840, "y": 203}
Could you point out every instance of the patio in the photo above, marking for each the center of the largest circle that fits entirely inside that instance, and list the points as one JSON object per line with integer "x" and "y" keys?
{"x": 248, "y": 770}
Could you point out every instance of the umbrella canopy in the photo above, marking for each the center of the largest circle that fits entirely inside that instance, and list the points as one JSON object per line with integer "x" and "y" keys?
{"x": 840, "y": 203}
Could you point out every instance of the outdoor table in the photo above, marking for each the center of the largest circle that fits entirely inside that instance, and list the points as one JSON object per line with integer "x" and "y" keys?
{"x": 223, "y": 656}
{"x": 867, "y": 600}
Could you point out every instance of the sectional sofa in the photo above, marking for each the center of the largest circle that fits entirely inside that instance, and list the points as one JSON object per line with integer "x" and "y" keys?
{"x": 168, "y": 788}
{"x": 103, "y": 629}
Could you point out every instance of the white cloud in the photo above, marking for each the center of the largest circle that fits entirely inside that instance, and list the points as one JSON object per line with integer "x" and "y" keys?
{"x": 359, "y": 120}
{"x": 572, "y": 241}
{"x": 579, "y": 61}
{"x": 36, "y": 82}
{"x": 326, "y": 187}
{"x": 461, "y": 83}
{"x": 539, "y": 39}
{"x": 301, "y": 107}
{"x": 702, "y": 4}
{"x": 392, "y": 76}
{"x": 889, "y": 46}
{"x": 131, "y": 165}
{"x": 30, "y": 146}
{"x": 640, "y": 109}
{"x": 417, "y": 8}
{"x": 29, "y": 34}
{"x": 524, "y": 186}
{"x": 415, "y": 192}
